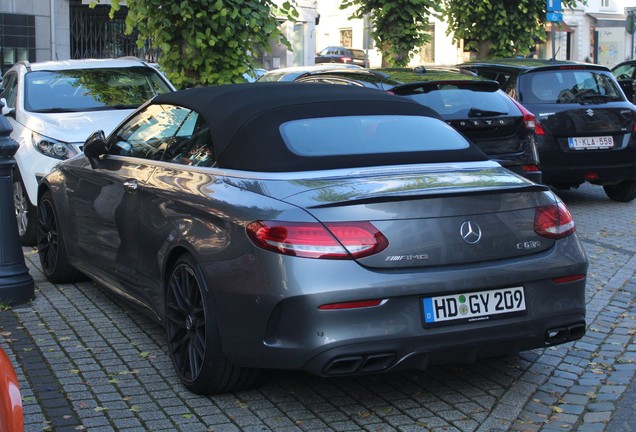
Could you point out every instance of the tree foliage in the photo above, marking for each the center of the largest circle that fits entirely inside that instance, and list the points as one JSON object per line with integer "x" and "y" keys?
{"x": 498, "y": 28}
{"x": 398, "y": 26}
{"x": 205, "y": 42}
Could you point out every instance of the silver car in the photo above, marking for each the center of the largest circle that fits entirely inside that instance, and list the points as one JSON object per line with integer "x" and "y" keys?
{"x": 338, "y": 231}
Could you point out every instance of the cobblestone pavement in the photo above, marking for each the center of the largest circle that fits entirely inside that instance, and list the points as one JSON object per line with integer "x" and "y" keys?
{"x": 87, "y": 362}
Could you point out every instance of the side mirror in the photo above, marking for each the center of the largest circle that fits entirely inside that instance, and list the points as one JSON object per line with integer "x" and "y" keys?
{"x": 5, "y": 109}
{"x": 94, "y": 147}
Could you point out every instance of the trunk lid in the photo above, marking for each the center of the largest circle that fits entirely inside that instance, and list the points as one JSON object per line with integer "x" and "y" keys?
{"x": 447, "y": 217}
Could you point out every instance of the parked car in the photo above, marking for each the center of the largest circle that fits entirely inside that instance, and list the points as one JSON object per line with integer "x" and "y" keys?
{"x": 254, "y": 74}
{"x": 625, "y": 74}
{"x": 293, "y": 72}
{"x": 11, "y": 412}
{"x": 339, "y": 231}
{"x": 340, "y": 54}
{"x": 54, "y": 106}
{"x": 498, "y": 125}
{"x": 586, "y": 128}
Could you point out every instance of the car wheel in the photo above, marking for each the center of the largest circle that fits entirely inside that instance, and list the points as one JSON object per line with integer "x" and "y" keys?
{"x": 50, "y": 244}
{"x": 624, "y": 191}
{"x": 193, "y": 336}
{"x": 25, "y": 212}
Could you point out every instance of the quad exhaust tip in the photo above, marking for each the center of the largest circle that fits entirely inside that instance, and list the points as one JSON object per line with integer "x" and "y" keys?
{"x": 359, "y": 364}
{"x": 561, "y": 335}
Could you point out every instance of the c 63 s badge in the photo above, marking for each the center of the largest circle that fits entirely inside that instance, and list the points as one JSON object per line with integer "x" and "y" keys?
{"x": 528, "y": 245}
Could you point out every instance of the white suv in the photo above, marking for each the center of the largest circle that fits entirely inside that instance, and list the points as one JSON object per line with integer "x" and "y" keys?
{"x": 54, "y": 106}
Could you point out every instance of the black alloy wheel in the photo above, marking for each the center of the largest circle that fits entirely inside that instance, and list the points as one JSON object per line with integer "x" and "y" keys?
{"x": 193, "y": 339}
{"x": 50, "y": 244}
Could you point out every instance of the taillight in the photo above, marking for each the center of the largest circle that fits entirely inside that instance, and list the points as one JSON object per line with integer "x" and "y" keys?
{"x": 530, "y": 168}
{"x": 530, "y": 120}
{"x": 346, "y": 59}
{"x": 554, "y": 221}
{"x": 334, "y": 240}
{"x": 538, "y": 129}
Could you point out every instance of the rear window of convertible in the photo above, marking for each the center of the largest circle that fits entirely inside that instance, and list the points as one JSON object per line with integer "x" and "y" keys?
{"x": 360, "y": 135}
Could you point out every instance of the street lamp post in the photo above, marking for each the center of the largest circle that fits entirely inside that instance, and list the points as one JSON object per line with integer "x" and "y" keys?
{"x": 16, "y": 284}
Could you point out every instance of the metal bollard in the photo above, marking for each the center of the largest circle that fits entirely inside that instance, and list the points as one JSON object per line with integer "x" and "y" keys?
{"x": 16, "y": 284}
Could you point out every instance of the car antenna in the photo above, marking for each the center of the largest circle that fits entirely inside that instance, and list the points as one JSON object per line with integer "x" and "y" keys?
{"x": 555, "y": 54}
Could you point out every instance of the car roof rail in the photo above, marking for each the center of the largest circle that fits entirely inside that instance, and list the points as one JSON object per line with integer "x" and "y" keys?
{"x": 133, "y": 58}
{"x": 26, "y": 64}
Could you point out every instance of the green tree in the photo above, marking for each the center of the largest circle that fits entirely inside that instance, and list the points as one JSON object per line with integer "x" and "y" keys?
{"x": 399, "y": 26}
{"x": 206, "y": 42}
{"x": 498, "y": 28}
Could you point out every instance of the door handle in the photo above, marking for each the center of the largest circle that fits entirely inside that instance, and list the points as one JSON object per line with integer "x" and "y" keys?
{"x": 131, "y": 185}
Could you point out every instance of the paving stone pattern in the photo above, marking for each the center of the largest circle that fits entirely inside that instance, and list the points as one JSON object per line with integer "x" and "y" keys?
{"x": 86, "y": 361}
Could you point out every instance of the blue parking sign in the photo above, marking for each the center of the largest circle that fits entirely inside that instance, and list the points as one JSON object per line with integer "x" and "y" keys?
{"x": 553, "y": 5}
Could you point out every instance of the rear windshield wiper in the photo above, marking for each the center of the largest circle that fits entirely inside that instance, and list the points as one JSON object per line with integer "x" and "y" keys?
{"x": 476, "y": 112}
{"x": 597, "y": 97}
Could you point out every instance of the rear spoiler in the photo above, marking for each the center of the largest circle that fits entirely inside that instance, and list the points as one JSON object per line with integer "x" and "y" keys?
{"x": 437, "y": 193}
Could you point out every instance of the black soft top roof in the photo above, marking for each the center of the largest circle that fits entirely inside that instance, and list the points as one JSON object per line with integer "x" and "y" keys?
{"x": 244, "y": 122}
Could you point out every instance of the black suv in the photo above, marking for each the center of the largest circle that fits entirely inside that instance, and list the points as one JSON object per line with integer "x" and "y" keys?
{"x": 340, "y": 54}
{"x": 586, "y": 128}
{"x": 476, "y": 107}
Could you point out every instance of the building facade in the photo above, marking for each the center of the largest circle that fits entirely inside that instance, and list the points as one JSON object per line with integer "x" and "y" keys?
{"x": 593, "y": 32}
{"x": 40, "y": 30}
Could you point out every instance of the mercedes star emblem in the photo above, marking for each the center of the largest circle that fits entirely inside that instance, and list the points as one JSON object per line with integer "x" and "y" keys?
{"x": 470, "y": 232}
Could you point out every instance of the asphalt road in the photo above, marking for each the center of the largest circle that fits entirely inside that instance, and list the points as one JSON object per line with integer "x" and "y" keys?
{"x": 86, "y": 361}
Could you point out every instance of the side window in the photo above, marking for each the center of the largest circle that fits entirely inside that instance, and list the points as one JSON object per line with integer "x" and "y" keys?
{"x": 625, "y": 71}
{"x": 10, "y": 92}
{"x": 149, "y": 133}
{"x": 192, "y": 144}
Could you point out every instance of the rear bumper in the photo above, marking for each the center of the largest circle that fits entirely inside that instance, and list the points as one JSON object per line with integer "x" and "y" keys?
{"x": 599, "y": 174}
{"x": 464, "y": 347}
{"x": 571, "y": 168}
{"x": 273, "y": 320}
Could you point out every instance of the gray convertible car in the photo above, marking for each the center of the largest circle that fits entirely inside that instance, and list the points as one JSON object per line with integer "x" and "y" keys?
{"x": 338, "y": 231}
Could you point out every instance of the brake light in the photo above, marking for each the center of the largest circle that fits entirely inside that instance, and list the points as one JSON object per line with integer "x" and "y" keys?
{"x": 335, "y": 240}
{"x": 351, "y": 305}
{"x": 554, "y": 221}
{"x": 591, "y": 176}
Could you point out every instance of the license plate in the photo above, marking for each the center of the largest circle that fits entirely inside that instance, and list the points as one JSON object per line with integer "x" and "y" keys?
{"x": 591, "y": 143}
{"x": 477, "y": 306}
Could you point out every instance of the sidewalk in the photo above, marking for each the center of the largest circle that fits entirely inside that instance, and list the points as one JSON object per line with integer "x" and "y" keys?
{"x": 87, "y": 361}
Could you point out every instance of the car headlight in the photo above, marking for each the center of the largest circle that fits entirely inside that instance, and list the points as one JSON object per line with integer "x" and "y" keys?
{"x": 53, "y": 148}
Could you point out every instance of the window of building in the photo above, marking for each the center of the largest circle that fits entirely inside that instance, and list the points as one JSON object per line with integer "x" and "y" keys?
{"x": 427, "y": 52}
{"x": 346, "y": 37}
{"x": 17, "y": 39}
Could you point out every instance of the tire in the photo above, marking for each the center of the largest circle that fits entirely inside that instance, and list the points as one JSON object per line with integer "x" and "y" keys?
{"x": 624, "y": 191}
{"x": 25, "y": 212}
{"x": 193, "y": 337}
{"x": 50, "y": 244}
